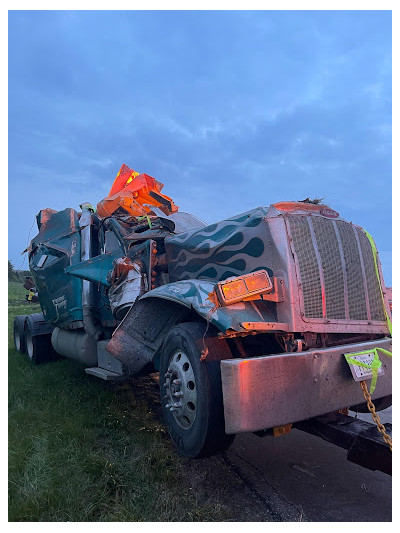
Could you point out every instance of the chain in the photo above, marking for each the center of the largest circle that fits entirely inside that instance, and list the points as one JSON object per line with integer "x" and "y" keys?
{"x": 371, "y": 407}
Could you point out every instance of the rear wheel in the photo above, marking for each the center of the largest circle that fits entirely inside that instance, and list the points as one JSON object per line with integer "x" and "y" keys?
{"x": 191, "y": 391}
{"x": 38, "y": 339}
{"x": 19, "y": 333}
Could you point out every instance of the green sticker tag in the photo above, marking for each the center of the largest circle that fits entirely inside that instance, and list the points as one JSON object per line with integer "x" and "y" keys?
{"x": 368, "y": 359}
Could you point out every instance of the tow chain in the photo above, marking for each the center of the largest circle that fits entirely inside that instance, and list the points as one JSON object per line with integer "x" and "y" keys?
{"x": 375, "y": 416}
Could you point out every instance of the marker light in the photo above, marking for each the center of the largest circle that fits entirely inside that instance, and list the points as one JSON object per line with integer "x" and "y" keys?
{"x": 235, "y": 289}
{"x": 243, "y": 287}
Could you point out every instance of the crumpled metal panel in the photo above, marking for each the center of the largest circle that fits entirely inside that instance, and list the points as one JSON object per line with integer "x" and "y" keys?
{"x": 141, "y": 333}
{"x": 124, "y": 293}
{"x": 95, "y": 269}
{"x": 195, "y": 295}
{"x": 57, "y": 246}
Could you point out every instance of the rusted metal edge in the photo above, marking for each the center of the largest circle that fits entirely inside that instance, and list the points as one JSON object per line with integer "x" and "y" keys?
{"x": 265, "y": 326}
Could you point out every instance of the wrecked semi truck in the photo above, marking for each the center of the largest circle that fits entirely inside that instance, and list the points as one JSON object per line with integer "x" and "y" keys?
{"x": 263, "y": 320}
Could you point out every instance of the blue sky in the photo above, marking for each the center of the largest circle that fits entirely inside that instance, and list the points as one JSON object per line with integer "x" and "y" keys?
{"x": 229, "y": 109}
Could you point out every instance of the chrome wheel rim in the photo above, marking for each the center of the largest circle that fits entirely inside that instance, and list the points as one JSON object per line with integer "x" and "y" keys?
{"x": 180, "y": 390}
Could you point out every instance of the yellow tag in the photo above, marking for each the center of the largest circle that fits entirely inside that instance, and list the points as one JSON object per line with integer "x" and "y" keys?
{"x": 282, "y": 430}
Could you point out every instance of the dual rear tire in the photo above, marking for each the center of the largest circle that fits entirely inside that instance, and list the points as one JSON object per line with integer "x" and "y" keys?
{"x": 19, "y": 333}
{"x": 32, "y": 337}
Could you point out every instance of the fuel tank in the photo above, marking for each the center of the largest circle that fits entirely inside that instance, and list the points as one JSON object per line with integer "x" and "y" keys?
{"x": 76, "y": 345}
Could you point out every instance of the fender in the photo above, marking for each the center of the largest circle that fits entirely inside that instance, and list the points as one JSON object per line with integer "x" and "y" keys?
{"x": 141, "y": 333}
{"x": 194, "y": 294}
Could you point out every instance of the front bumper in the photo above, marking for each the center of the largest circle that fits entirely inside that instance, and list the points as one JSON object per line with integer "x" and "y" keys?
{"x": 272, "y": 390}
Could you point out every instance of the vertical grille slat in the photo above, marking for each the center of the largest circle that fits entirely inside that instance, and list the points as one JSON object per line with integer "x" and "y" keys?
{"x": 374, "y": 292}
{"x": 367, "y": 308}
{"x": 348, "y": 278}
{"x": 332, "y": 266}
{"x": 320, "y": 265}
{"x": 310, "y": 280}
{"x": 343, "y": 261}
{"x": 355, "y": 282}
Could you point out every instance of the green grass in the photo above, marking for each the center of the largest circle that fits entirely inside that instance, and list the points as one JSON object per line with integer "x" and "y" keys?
{"x": 16, "y": 294}
{"x": 82, "y": 449}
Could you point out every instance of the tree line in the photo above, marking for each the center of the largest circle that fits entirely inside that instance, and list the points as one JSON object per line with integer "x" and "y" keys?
{"x": 16, "y": 275}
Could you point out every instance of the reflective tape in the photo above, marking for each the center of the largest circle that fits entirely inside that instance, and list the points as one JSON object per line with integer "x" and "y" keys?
{"x": 375, "y": 364}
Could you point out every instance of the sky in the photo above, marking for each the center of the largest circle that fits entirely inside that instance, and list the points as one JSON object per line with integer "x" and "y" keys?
{"x": 231, "y": 110}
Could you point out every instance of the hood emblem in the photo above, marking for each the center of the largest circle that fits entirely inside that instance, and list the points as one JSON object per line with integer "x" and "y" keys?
{"x": 330, "y": 213}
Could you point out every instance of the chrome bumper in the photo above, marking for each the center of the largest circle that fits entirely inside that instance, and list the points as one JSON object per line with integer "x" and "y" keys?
{"x": 263, "y": 392}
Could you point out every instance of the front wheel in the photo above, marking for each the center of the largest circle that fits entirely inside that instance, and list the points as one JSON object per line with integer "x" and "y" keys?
{"x": 191, "y": 391}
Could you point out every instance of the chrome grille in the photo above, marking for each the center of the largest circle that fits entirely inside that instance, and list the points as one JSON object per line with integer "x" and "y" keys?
{"x": 336, "y": 268}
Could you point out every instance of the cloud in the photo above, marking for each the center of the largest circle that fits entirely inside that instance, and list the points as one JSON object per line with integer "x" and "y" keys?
{"x": 229, "y": 109}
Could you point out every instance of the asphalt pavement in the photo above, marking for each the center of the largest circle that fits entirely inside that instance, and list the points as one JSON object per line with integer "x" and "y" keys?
{"x": 304, "y": 478}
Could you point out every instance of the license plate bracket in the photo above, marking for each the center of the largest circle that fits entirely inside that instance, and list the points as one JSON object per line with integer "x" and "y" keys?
{"x": 360, "y": 372}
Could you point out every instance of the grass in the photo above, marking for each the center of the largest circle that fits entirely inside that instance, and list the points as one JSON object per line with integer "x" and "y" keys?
{"x": 82, "y": 449}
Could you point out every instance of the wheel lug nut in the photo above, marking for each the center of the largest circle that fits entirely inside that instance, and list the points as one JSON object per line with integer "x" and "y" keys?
{"x": 177, "y": 382}
{"x": 178, "y": 394}
{"x": 177, "y": 404}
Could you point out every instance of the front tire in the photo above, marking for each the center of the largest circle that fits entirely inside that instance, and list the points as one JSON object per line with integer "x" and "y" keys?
{"x": 191, "y": 390}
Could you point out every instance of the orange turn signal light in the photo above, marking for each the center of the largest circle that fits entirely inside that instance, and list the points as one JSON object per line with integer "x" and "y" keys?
{"x": 234, "y": 290}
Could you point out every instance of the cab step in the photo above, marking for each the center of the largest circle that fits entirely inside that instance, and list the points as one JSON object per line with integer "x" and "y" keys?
{"x": 108, "y": 375}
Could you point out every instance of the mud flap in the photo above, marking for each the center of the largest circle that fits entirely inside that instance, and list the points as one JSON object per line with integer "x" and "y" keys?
{"x": 141, "y": 333}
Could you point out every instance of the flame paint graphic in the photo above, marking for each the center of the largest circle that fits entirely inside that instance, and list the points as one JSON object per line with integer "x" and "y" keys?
{"x": 229, "y": 248}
